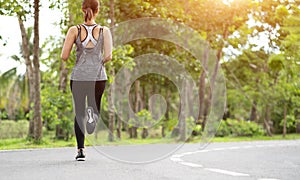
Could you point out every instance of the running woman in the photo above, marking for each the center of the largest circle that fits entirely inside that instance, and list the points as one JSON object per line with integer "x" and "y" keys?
{"x": 88, "y": 78}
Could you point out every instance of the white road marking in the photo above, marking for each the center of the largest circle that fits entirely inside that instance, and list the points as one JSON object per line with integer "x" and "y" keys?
{"x": 177, "y": 158}
{"x": 204, "y": 150}
{"x": 231, "y": 173}
{"x": 177, "y": 155}
{"x": 218, "y": 149}
{"x": 281, "y": 145}
{"x": 259, "y": 145}
{"x": 191, "y": 164}
{"x": 271, "y": 145}
{"x": 188, "y": 153}
{"x": 234, "y": 147}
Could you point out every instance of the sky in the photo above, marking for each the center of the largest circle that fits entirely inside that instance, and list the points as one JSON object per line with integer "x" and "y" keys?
{"x": 10, "y": 32}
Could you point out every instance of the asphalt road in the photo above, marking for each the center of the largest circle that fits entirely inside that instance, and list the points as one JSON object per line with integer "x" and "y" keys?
{"x": 243, "y": 160}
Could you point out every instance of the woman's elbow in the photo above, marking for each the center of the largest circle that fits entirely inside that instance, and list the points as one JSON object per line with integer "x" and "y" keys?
{"x": 64, "y": 57}
{"x": 108, "y": 58}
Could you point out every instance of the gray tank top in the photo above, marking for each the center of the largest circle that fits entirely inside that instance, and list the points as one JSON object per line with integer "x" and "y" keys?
{"x": 89, "y": 61}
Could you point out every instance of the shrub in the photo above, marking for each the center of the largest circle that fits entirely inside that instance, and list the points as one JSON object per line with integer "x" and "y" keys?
{"x": 239, "y": 128}
{"x": 57, "y": 112}
{"x": 3, "y": 114}
{"x": 291, "y": 122}
{"x": 13, "y": 129}
{"x": 223, "y": 130}
{"x": 197, "y": 130}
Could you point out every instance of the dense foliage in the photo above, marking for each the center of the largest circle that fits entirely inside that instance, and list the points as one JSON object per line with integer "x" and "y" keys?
{"x": 257, "y": 43}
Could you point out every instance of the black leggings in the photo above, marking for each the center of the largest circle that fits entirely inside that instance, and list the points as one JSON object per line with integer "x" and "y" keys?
{"x": 92, "y": 90}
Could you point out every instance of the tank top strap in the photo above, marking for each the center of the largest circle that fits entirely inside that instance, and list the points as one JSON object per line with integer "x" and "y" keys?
{"x": 101, "y": 38}
{"x": 78, "y": 34}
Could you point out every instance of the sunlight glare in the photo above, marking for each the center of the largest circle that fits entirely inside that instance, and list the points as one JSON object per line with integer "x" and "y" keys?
{"x": 227, "y": 2}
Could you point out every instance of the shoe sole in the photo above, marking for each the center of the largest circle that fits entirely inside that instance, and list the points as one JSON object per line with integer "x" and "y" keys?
{"x": 80, "y": 159}
{"x": 90, "y": 127}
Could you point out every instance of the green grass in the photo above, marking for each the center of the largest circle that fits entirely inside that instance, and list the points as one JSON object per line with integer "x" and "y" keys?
{"x": 255, "y": 138}
{"x": 23, "y": 143}
{"x": 49, "y": 142}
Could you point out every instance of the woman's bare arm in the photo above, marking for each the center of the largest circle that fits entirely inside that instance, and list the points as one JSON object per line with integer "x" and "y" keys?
{"x": 108, "y": 46}
{"x": 68, "y": 44}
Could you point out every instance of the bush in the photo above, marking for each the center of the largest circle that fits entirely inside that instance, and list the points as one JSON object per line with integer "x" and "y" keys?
{"x": 13, "y": 129}
{"x": 57, "y": 112}
{"x": 3, "y": 114}
{"x": 223, "y": 130}
{"x": 291, "y": 123}
{"x": 197, "y": 130}
{"x": 239, "y": 128}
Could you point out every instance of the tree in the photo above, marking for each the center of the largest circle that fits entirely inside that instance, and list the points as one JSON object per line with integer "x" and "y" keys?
{"x": 26, "y": 53}
{"x": 216, "y": 21}
{"x": 37, "y": 117}
{"x": 264, "y": 75}
{"x": 111, "y": 121}
{"x": 9, "y": 93}
{"x": 289, "y": 60}
{"x": 21, "y": 10}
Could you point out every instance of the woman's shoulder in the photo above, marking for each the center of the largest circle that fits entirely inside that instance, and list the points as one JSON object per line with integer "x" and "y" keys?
{"x": 105, "y": 28}
{"x": 73, "y": 29}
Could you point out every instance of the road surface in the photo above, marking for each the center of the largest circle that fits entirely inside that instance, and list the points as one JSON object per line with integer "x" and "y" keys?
{"x": 259, "y": 160}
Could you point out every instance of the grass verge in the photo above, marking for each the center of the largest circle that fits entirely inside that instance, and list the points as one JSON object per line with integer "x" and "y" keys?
{"x": 49, "y": 142}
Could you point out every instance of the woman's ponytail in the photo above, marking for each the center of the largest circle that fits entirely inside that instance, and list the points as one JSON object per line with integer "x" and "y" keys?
{"x": 90, "y": 8}
{"x": 88, "y": 14}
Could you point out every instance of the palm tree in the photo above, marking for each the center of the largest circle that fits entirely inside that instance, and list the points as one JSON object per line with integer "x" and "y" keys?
{"x": 9, "y": 92}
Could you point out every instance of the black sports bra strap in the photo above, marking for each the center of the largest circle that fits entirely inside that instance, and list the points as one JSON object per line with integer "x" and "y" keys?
{"x": 101, "y": 36}
{"x": 101, "y": 30}
{"x": 79, "y": 30}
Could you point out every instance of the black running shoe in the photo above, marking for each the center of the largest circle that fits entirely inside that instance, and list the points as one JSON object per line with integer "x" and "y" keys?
{"x": 91, "y": 120}
{"x": 80, "y": 156}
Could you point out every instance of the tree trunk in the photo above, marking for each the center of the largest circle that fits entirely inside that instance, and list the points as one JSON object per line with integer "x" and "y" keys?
{"x": 29, "y": 72}
{"x": 214, "y": 76}
{"x": 111, "y": 122}
{"x": 120, "y": 114}
{"x": 134, "y": 132}
{"x": 201, "y": 91}
{"x": 59, "y": 132}
{"x": 176, "y": 130}
{"x": 184, "y": 111}
{"x": 298, "y": 127}
{"x": 125, "y": 122}
{"x": 112, "y": 15}
{"x": 167, "y": 114}
{"x": 37, "y": 99}
{"x": 119, "y": 121}
{"x": 145, "y": 133}
{"x": 137, "y": 106}
{"x": 267, "y": 120}
{"x": 63, "y": 81}
{"x": 143, "y": 106}
{"x": 206, "y": 108}
{"x": 284, "y": 120}
{"x": 63, "y": 77}
{"x": 130, "y": 132}
{"x": 253, "y": 113}
{"x": 138, "y": 99}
